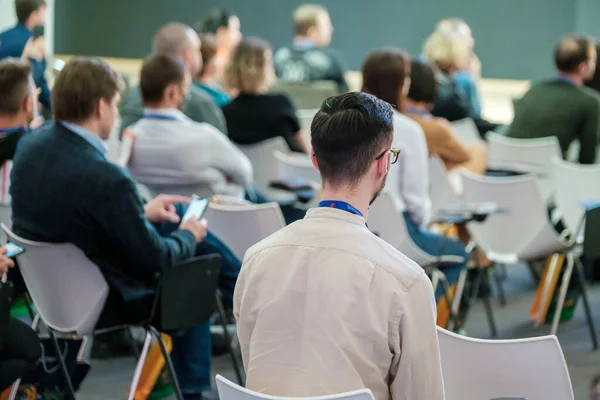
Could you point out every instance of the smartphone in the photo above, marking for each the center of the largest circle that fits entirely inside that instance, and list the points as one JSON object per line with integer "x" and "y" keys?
{"x": 38, "y": 31}
{"x": 196, "y": 209}
{"x": 13, "y": 250}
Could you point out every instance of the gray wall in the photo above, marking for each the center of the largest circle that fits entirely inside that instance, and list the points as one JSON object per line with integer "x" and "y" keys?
{"x": 514, "y": 38}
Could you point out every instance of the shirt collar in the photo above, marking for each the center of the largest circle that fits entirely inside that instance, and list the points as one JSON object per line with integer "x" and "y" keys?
{"x": 88, "y": 136}
{"x": 334, "y": 213}
{"x": 304, "y": 44}
{"x": 167, "y": 112}
{"x": 23, "y": 28}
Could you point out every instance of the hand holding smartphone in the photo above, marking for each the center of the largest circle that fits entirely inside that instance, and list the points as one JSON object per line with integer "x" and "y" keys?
{"x": 196, "y": 209}
{"x": 13, "y": 250}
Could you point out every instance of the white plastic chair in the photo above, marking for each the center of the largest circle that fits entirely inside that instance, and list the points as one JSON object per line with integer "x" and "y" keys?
{"x": 525, "y": 155}
{"x": 467, "y": 131}
{"x": 291, "y": 165}
{"x": 69, "y": 293}
{"x": 476, "y": 369}
{"x": 241, "y": 226}
{"x": 230, "y": 391}
{"x": 306, "y": 117}
{"x": 523, "y": 232}
{"x": 575, "y": 183}
{"x": 262, "y": 157}
{"x": 441, "y": 191}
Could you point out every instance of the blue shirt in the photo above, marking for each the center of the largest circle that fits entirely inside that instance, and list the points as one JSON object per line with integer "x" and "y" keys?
{"x": 220, "y": 97}
{"x": 466, "y": 85}
{"x": 12, "y": 44}
{"x": 88, "y": 136}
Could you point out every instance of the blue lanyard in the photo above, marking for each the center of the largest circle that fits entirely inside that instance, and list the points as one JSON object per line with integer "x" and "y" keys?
{"x": 15, "y": 129}
{"x": 341, "y": 205}
{"x": 159, "y": 116}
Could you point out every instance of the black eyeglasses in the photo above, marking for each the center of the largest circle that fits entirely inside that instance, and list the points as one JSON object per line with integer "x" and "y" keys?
{"x": 395, "y": 154}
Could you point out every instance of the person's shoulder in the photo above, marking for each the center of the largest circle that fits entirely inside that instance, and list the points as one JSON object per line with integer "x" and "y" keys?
{"x": 282, "y": 54}
{"x": 201, "y": 97}
{"x": 277, "y": 98}
{"x": 274, "y": 240}
{"x": 403, "y": 123}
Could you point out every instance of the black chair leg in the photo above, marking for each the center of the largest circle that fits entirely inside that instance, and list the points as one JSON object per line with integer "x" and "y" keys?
{"x": 169, "y": 362}
{"x": 63, "y": 366}
{"x": 234, "y": 360}
{"x": 586, "y": 302}
{"x": 28, "y": 303}
{"x": 481, "y": 276}
{"x": 134, "y": 348}
{"x": 446, "y": 289}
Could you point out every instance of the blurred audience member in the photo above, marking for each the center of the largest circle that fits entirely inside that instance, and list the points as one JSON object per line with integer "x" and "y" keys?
{"x": 26, "y": 41}
{"x": 449, "y": 52}
{"x": 226, "y": 27}
{"x": 173, "y": 154}
{"x": 441, "y": 141}
{"x": 211, "y": 73}
{"x": 309, "y": 59}
{"x": 467, "y": 78}
{"x": 182, "y": 43}
{"x": 386, "y": 74}
{"x": 562, "y": 106}
{"x": 64, "y": 190}
{"x": 256, "y": 115}
{"x": 348, "y": 311}
{"x": 20, "y": 347}
{"x": 594, "y": 82}
{"x": 18, "y": 108}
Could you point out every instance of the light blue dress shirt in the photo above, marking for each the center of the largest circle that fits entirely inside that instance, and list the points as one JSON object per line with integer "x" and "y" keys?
{"x": 88, "y": 136}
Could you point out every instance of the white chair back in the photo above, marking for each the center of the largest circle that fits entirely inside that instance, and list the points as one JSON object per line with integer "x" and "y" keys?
{"x": 242, "y": 226}
{"x": 231, "y": 391}
{"x": 386, "y": 221}
{"x": 306, "y": 117}
{"x": 307, "y": 95}
{"x": 467, "y": 131}
{"x": 523, "y": 230}
{"x": 441, "y": 191}
{"x": 293, "y": 165}
{"x": 67, "y": 289}
{"x": 476, "y": 369}
{"x": 262, "y": 157}
{"x": 575, "y": 183}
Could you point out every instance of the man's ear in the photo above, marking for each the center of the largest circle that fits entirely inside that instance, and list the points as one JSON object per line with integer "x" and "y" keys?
{"x": 28, "y": 104}
{"x": 313, "y": 158}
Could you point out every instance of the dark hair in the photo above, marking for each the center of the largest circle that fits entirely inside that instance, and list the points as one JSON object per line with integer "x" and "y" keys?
{"x": 24, "y": 8}
{"x": 15, "y": 84}
{"x": 216, "y": 19}
{"x": 384, "y": 72}
{"x": 423, "y": 85}
{"x": 594, "y": 82}
{"x": 208, "y": 50}
{"x": 80, "y": 86}
{"x": 571, "y": 52}
{"x": 158, "y": 72}
{"x": 348, "y": 132}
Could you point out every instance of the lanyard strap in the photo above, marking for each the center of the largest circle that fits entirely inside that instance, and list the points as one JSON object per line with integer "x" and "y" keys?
{"x": 8, "y": 131}
{"x": 341, "y": 205}
{"x": 159, "y": 116}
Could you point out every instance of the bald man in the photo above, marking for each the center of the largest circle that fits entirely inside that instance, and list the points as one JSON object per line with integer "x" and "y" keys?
{"x": 180, "y": 42}
{"x": 562, "y": 106}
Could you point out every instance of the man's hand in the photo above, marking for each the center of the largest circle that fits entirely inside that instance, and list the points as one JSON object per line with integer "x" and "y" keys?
{"x": 35, "y": 49}
{"x": 162, "y": 208}
{"x": 5, "y": 263}
{"x": 198, "y": 228}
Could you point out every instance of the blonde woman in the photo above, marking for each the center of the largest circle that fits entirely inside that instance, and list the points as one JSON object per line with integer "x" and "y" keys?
{"x": 256, "y": 115}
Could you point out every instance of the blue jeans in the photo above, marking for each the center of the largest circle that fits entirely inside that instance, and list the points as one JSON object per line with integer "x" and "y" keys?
{"x": 432, "y": 243}
{"x": 192, "y": 348}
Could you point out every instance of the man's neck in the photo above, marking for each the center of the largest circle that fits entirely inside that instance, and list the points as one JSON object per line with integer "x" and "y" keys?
{"x": 9, "y": 122}
{"x": 30, "y": 25}
{"x": 573, "y": 78}
{"x": 354, "y": 197}
{"x": 163, "y": 105}
{"x": 205, "y": 80}
{"x": 89, "y": 126}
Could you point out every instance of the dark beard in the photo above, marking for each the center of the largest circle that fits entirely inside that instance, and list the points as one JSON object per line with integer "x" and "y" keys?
{"x": 377, "y": 193}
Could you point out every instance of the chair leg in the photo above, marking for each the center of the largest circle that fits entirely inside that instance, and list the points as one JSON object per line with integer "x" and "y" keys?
{"x": 482, "y": 275}
{"x": 63, "y": 366}
{"x": 446, "y": 289}
{"x": 498, "y": 278}
{"x": 234, "y": 360}
{"x": 169, "y": 362}
{"x": 458, "y": 297}
{"x": 131, "y": 340}
{"x": 28, "y": 303}
{"x": 140, "y": 365}
{"x": 566, "y": 279}
{"x": 586, "y": 302}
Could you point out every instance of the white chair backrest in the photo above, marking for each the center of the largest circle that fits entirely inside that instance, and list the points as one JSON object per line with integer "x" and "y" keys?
{"x": 575, "y": 183}
{"x": 68, "y": 290}
{"x": 523, "y": 228}
{"x": 441, "y": 191}
{"x": 242, "y": 226}
{"x": 386, "y": 221}
{"x": 231, "y": 391}
{"x": 114, "y": 143}
{"x": 262, "y": 157}
{"x": 467, "y": 131}
{"x": 306, "y": 117}
{"x": 307, "y": 95}
{"x": 293, "y": 165}
{"x": 476, "y": 369}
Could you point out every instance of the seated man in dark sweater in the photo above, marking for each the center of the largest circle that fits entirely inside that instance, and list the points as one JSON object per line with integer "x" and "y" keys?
{"x": 562, "y": 106}
{"x": 309, "y": 59}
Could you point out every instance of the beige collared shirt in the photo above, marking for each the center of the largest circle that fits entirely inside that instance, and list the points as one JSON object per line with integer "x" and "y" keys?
{"x": 324, "y": 306}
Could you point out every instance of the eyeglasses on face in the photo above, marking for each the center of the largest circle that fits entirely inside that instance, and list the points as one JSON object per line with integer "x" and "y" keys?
{"x": 395, "y": 154}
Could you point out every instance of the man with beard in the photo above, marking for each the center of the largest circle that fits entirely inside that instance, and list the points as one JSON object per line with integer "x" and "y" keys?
{"x": 324, "y": 306}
